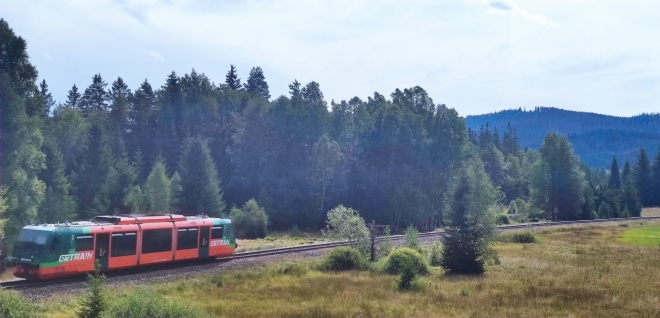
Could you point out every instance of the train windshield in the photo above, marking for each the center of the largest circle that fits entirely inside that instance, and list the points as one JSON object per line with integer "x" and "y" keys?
{"x": 31, "y": 243}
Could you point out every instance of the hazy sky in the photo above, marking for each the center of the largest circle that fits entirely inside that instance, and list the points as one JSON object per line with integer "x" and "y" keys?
{"x": 477, "y": 56}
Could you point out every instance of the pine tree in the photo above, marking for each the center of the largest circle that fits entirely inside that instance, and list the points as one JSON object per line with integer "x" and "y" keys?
{"x": 58, "y": 205}
{"x": 73, "y": 99}
{"x": 200, "y": 185}
{"x": 643, "y": 180}
{"x": 256, "y": 84}
{"x": 470, "y": 225}
{"x": 231, "y": 80}
{"x": 157, "y": 189}
{"x": 615, "y": 178}
{"x": 95, "y": 303}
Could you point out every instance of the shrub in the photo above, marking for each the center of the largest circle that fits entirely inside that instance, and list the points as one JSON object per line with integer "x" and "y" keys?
{"x": 400, "y": 258}
{"x": 523, "y": 237}
{"x": 502, "y": 219}
{"x": 142, "y": 303}
{"x": 386, "y": 246}
{"x": 94, "y": 304}
{"x": 408, "y": 274}
{"x": 345, "y": 259}
{"x": 436, "y": 256}
{"x": 250, "y": 221}
{"x": 412, "y": 238}
{"x": 513, "y": 208}
{"x": 13, "y": 305}
{"x": 347, "y": 224}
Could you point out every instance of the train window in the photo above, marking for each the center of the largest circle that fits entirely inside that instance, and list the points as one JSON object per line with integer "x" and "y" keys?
{"x": 123, "y": 244}
{"x": 154, "y": 241}
{"x": 187, "y": 238}
{"x": 84, "y": 243}
{"x": 216, "y": 232}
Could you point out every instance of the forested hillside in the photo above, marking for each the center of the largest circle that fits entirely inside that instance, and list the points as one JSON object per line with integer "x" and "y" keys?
{"x": 192, "y": 146}
{"x": 596, "y": 138}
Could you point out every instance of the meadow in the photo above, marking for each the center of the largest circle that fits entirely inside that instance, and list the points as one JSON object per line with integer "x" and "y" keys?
{"x": 570, "y": 272}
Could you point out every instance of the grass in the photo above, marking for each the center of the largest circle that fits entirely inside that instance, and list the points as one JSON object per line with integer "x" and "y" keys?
{"x": 279, "y": 239}
{"x": 574, "y": 271}
{"x": 651, "y": 211}
{"x": 645, "y": 236}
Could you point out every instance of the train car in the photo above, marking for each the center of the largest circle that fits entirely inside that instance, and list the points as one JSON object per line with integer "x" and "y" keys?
{"x": 118, "y": 242}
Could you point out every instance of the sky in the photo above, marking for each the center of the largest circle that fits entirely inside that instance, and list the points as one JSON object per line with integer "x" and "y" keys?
{"x": 477, "y": 56}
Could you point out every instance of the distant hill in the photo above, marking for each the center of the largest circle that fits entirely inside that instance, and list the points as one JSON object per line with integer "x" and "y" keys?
{"x": 595, "y": 137}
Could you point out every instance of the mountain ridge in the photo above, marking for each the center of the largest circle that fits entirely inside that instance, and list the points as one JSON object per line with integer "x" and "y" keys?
{"x": 596, "y": 138}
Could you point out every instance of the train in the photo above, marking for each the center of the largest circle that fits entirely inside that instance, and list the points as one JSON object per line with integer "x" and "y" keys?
{"x": 118, "y": 242}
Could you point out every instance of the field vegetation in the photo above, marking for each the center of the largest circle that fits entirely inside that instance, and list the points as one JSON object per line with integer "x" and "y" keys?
{"x": 571, "y": 271}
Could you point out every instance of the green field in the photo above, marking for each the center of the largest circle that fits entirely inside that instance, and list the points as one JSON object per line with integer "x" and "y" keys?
{"x": 645, "y": 236}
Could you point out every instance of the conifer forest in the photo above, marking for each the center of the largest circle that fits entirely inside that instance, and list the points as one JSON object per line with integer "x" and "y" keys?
{"x": 194, "y": 145}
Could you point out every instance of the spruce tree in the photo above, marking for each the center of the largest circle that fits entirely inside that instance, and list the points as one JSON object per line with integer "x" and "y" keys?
{"x": 96, "y": 97}
{"x": 73, "y": 98}
{"x": 625, "y": 173}
{"x": 58, "y": 204}
{"x": 95, "y": 303}
{"x": 469, "y": 223}
{"x": 256, "y": 84}
{"x": 615, "y": 178}
{"x": 200, "y": 185}
{"x": 655, "y": 175}
{"x": 294, "y": 88}
{"x": 47, "y": 100}
{"x": 92, "y": 174}
{"x": 157, "y": 189}
{"x": 643, "y": 180}
{"x": 630, "y": 199}
{"x": 231, "y": 79}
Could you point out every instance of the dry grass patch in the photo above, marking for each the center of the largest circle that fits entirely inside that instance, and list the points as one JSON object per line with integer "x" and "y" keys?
{"x": 574, "y": 272}
{"x": 655, "y": 211}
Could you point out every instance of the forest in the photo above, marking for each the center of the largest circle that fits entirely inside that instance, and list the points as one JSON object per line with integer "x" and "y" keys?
{"x": 596, "y": 138}
{"x": 192, "y": 146}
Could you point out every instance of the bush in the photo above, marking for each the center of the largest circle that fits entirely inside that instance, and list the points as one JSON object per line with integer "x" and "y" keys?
{"x": 385, "y": 247}
{"x": 523, "y": 237}
{"x": 412, "y": 238}
{"x": 502, "y": 219}
{"x": 347, "y": 224}
{"x": 250, "y": 221}
{"x": 95, "y": 303}
{"x": 13, "y": 305}
{"x": 345, "y": 259}
{"x": 401, "y": 257}
{"x": 436, "y": 256}
{"x": 142, "y": 303}
{"x": 408, "y": 274}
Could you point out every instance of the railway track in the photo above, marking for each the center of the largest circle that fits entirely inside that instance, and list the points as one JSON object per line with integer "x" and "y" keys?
{"x": 21, "y": 284}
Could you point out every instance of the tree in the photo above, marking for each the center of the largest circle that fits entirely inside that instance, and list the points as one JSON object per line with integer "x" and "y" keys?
{"x": 294, "y": 88}
{"x": 256, "y": 84}
{"x": 58, "y": 204}
{"x": 615, "y": 178}
{"x": 626, "y": 173}
{"x": 200, "y": 185}
{"x": 231, "y": 80}
{"x": 21, "y": 158}
{"x": 326, "y": 161}
{"x": 96, "y": 97}
{"x": 605, "y": 211}
{"x": 47, "y": 102}
{"x": 630, "y": 199}
{"x": 157, "y": 189}
{"x": 94, "y": 304}
{"x": 655, "y": 176}
{"x": 469, "y": 223}
{"x": 643, "y": 180}
{"x": 73, "y": 98}
{"x": 250, "y": 221}
{"x": 558, "y": 183}
{"x": 347, "y": 224}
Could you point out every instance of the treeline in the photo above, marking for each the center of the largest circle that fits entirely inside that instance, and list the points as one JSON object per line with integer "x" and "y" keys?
{"x": 192, "y": 146}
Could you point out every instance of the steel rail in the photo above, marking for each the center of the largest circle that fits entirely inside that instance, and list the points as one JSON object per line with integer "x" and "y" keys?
{"x": 25, "y": 284}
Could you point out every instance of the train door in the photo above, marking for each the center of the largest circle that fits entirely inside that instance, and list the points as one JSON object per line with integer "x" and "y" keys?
{"x": 102, "y": 249}
{"x": 204, "y": 237}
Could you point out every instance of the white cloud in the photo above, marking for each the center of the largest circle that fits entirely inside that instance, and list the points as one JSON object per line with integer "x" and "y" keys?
{"x": 156, "y": 55}
{"x": 508, "y": 6}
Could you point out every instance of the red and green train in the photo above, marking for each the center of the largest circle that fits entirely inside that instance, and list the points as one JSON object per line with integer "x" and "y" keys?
{"x": 118, "y": 242}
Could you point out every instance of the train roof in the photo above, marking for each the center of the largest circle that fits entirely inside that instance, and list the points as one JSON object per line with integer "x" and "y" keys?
{"x": 126, "y": 220}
